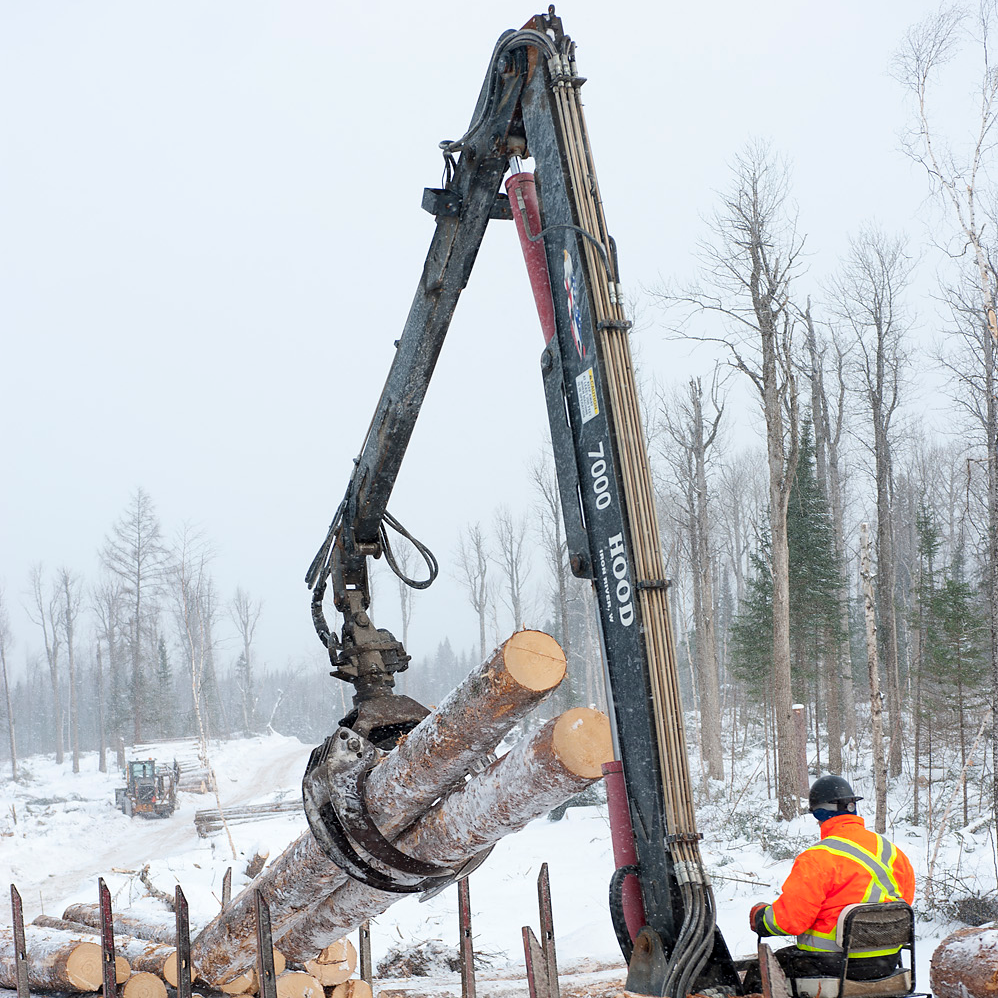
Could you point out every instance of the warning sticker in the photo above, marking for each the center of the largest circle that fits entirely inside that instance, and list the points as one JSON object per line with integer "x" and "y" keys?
{"x": 585, "y": 388}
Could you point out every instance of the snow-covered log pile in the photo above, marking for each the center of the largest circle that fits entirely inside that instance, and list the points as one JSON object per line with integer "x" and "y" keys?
{"x": 421, "y": 798}
{"x": 965, "y": 964}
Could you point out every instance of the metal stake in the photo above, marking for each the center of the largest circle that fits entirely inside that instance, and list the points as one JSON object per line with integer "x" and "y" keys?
{"x": 264, "y": 948}
{"x": 183, "y": 945}
{"x": 542, "y": 961}
{"x": 20, "y": 952}
{"x": 107, "y": 939}
{"x": 547, "y": 930}
{"x": 227, "y": 887}
{"x": 467, "y": 945}
{"x": 366, "y": 969}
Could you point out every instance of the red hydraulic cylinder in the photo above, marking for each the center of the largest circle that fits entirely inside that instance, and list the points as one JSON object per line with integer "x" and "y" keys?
{"x": 522, "y": 193}
{"x": 624, "y": 853}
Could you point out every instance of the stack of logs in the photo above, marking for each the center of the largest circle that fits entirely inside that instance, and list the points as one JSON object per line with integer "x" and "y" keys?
{"x": 422, "y": 798}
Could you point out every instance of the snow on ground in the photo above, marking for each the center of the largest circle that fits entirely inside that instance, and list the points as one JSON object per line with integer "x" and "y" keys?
{"x": 59, "y": 831}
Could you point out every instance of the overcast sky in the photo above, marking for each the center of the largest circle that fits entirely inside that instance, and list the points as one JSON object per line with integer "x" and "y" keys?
{"x": 210, "y": 233}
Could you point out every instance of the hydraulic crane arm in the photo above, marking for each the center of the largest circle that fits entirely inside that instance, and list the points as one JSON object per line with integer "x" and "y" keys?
{"x": 530, "y": 106}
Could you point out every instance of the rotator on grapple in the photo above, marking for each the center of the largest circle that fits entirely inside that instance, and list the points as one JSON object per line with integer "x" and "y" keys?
{"x": 530, "y": 108}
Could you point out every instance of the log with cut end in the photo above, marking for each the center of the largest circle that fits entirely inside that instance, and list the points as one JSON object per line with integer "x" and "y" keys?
{"x": 57, "y": 961}
{"x": 143, "y": 985}
{"x": 559, "y": 760}
{"x": 248, "y": 982}
{"x": 334, "y": 964}
{"x": 433, "y": 759}
{"x": 356, "y": 988}
{"x": 965, "y": 964}
{"x": 298, "y": 984}
{"x": 144, "y": 926}
{"x": 143, "y": 955}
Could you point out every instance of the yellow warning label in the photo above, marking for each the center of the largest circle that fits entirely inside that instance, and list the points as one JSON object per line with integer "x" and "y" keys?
{"x": 585, "y": 388}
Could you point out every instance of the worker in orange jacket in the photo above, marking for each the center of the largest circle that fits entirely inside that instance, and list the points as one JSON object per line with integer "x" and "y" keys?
{"x": 849, "y": 865}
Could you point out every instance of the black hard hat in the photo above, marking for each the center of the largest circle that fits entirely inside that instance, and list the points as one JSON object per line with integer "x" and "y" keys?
{"x": 831, "y": 793}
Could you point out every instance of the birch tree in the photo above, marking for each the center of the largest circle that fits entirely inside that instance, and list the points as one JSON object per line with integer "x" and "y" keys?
{"x": 749, "y": 270}
{"x": 957, "y": 169}
{"x": 867, "y": 296}
{"x": 694, "y": 435}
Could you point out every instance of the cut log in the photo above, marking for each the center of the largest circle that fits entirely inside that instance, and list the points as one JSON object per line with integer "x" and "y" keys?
{"x": 247, "y": 983}
{"x": 57, "y": 961}
{"x": 559, "y": 760}
{"x": 433, "y": 759}
{"x": 143, "y": 955}
{"x": 144, "y": 926}
{"x": 965, "y": 964}
{"x": 298, "y": 984}
{"x": 51, "y": 922}
{"x": 144, "y": 985}
{"x": 334, "y": 964}
{"x": 356, "y": 988}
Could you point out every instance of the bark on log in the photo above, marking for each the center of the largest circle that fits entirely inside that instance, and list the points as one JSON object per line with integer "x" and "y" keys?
{"x": 298, "y": 984}
{"x": 144, "y": 927}
{"x": 51, "y": 922}
{"x": 143, "y": 985}
{"x": 57, "y": 961}
{"x": 966, "y": 963}
{"x": 334, "y": 964}
{"x": 433, "y": 759}
{"x": 558, "y": 761}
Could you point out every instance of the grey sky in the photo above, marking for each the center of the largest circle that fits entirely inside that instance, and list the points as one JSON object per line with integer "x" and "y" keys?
{"x": 211, "y": 234}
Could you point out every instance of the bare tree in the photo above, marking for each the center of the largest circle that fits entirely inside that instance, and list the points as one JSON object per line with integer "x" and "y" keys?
{"x": 553, "y": 542}
{"x": 750, "y": 267}
{"x": 694, "y": 437}
{"x": 833, "y": 418}
{"x": 876, "y": 700}
{"x": 5, "y": 641}
{"x": 867, "y": 295}
{"x": 511, "y": 554}
{"x": 245, "y": 612}
{"x": 473, "y": 569}
{"x": 44, "y": 612}
{"x": 107, "y": 605}
{"x": 71, "y": 595}
{"x": 133, "y": 553}
{"x": 957, "y": 175}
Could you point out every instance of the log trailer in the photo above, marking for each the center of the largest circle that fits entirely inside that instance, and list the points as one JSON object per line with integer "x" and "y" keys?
{"x": 662, "y": 905}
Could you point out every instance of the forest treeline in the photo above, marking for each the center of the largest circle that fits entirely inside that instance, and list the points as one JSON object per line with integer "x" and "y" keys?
{"x": 781, "y": 594}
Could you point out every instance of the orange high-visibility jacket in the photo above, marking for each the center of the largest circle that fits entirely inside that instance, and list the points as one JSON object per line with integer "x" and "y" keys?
{"x": 850, "y": 865}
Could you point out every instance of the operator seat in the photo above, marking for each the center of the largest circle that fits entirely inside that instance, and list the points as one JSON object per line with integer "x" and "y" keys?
{"x": 860, "y": 928}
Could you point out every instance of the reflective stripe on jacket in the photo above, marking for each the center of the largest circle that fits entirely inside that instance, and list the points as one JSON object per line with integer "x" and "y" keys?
{"x": 850, "y": 865}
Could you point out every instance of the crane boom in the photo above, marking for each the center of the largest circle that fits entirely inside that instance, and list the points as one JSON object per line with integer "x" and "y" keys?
{"x": 530, "y": 107}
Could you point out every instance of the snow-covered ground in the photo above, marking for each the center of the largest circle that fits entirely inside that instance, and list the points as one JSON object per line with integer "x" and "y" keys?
{"x": 59, "y": 831}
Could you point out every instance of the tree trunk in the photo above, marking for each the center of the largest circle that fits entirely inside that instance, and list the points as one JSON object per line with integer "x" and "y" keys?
{"x": 10, "y": 710}
{"x": 56, "y": 961}
{"x": 334, "y": 964}
{"x": 434, "y": 758}
{"x": 559, "y": 760}
{"x": 876, "y": 701}
{"x": 710, "y": 716}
